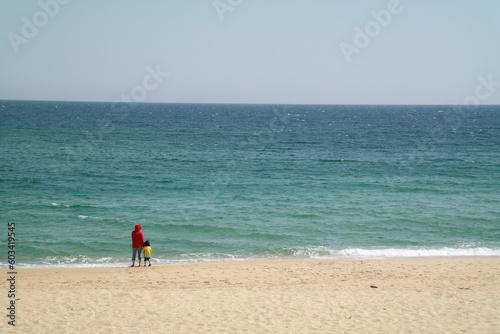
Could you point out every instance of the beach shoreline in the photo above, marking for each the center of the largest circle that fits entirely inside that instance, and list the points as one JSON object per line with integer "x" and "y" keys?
{"x": 451, "y": 295}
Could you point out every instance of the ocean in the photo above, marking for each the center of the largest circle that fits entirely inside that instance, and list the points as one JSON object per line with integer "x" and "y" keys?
{"x": 216, "y": 182}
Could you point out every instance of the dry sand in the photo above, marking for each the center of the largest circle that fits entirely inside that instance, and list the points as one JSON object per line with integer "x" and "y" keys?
{"x": 346, "y": 296}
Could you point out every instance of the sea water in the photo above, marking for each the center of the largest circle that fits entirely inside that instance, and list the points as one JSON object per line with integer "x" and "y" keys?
{"x": 232, "y": 182}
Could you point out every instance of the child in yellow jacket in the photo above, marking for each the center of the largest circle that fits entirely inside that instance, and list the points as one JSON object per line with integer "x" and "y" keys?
{"x": 147, "y": 252}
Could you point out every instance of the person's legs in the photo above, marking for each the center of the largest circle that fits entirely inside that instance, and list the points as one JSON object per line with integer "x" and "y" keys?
{"x": 133, "y": 257}
{"x": 134, "y": 252}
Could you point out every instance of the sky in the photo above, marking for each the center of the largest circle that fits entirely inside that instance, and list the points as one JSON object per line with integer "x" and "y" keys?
{"x": 252, "y": 51}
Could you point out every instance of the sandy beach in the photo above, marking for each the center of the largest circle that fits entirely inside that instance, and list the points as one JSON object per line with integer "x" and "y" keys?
{"x": 451, "y": 295}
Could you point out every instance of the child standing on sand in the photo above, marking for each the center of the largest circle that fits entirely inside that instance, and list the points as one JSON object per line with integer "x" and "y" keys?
{"x": 147, "y": 252}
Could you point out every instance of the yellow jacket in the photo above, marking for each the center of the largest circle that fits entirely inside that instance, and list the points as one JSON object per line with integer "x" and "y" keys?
{"x": 147, "y": 251}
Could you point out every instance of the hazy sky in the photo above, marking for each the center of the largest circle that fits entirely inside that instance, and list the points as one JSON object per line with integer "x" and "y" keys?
{"x": 252, "y": 51}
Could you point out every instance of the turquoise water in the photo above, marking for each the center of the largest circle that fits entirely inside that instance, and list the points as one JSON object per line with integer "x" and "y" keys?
{"x": 230, "y": 182}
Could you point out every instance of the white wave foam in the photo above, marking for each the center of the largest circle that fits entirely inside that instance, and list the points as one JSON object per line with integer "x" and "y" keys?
{"x": 79, "y": 261}
{"x": 387, "y": 253}
{"x": 306, "y": 253}
{"x": 59, "y": 205}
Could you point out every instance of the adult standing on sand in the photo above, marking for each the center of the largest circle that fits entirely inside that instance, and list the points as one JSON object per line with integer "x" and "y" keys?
{"x": 137, "y": 244}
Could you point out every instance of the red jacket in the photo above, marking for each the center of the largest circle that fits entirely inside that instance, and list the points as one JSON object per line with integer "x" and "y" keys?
{"x": 137, "y": 237}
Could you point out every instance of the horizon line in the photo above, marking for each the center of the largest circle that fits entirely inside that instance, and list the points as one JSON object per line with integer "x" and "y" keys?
{"x": 247, "y": 103}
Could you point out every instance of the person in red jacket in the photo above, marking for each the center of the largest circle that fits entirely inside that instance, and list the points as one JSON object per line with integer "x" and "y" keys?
{"x": 137, "y": 244}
